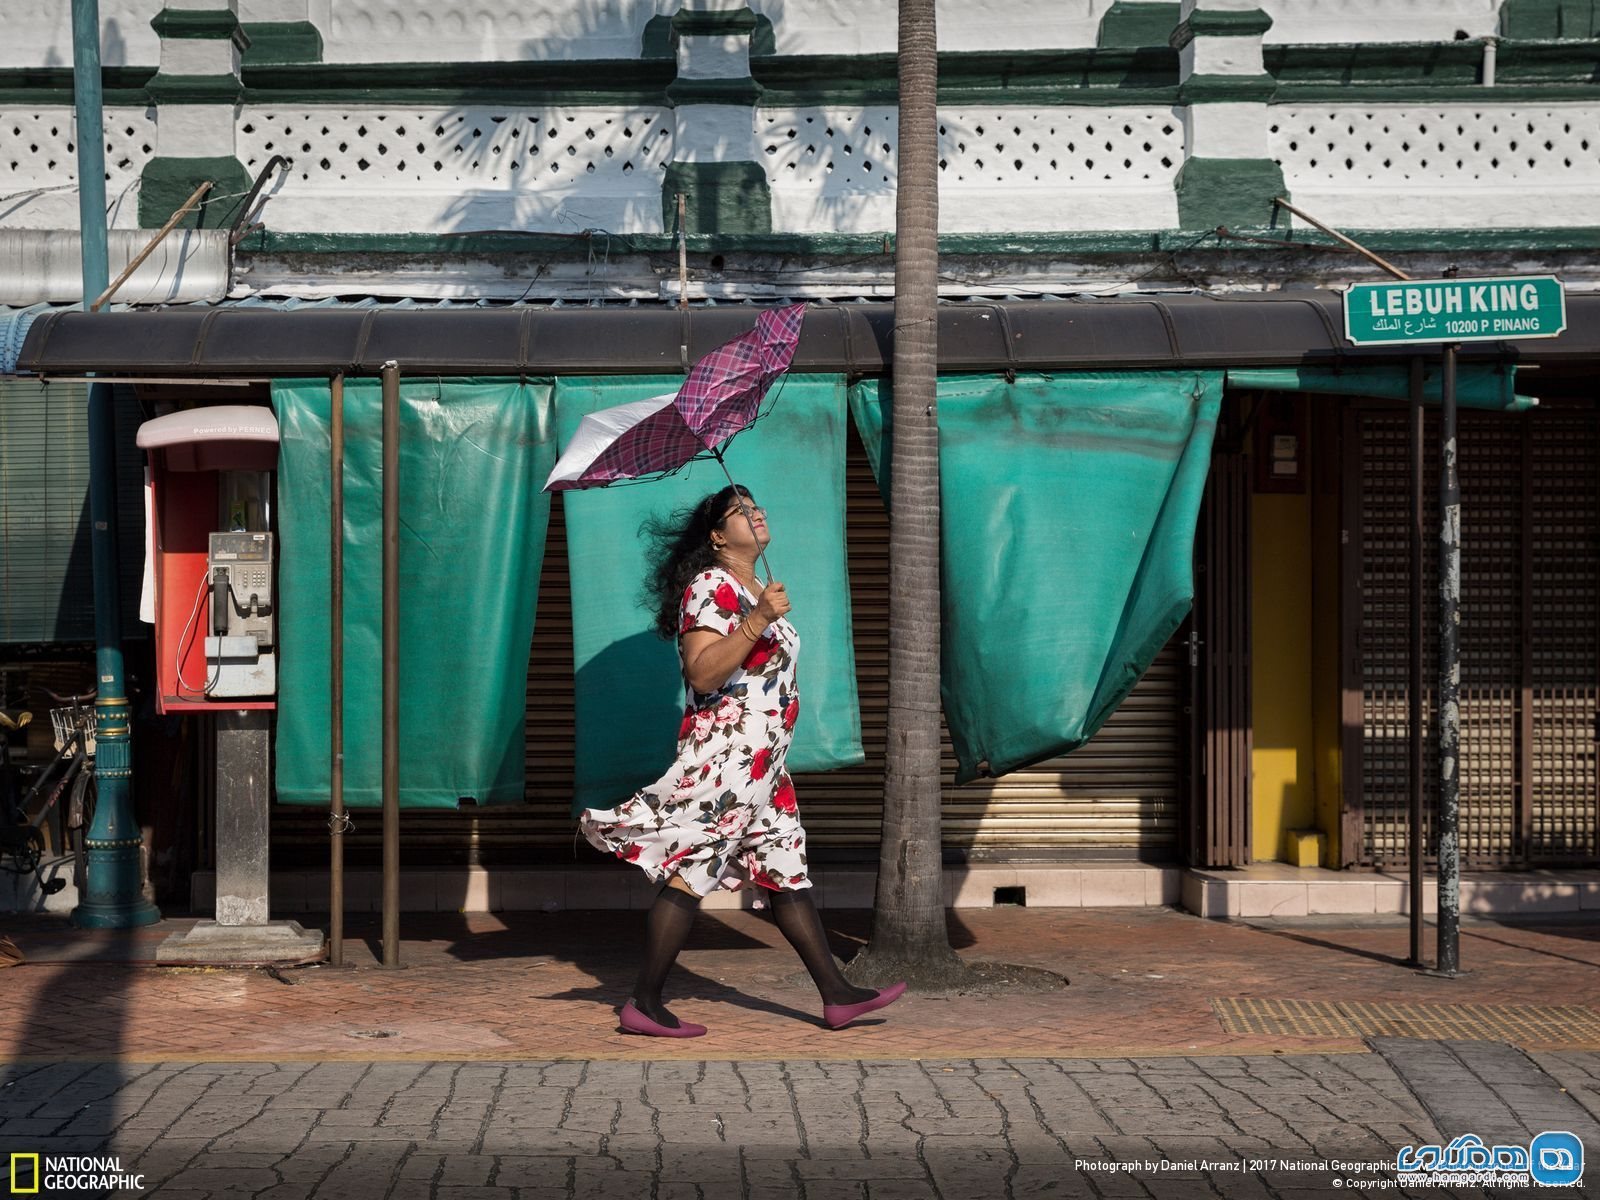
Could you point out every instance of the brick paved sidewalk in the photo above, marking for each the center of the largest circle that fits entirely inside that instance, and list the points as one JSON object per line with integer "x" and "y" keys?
{"x": 490, "y": 1067}
{"x": 546, "y": 986}
{"x": 1268, "y": 1128}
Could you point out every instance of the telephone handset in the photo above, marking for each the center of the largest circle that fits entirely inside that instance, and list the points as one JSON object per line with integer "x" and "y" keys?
{"x": 239, "y": 651}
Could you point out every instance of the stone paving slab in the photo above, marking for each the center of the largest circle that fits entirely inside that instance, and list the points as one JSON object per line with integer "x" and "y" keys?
{"x": 491, "y": 1066}
{"x": 1492, "y": 1090}
{"x": 959, "y": 1129}
{"x": 547, "y": 986}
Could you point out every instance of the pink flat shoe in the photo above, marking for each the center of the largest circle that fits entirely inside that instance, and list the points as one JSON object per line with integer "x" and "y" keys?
{"x": 837, "y": 1016}
{"x": 635, "y": 1021}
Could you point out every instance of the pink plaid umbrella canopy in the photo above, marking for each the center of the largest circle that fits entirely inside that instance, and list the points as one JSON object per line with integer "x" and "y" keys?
{"x": 721, "y": 396}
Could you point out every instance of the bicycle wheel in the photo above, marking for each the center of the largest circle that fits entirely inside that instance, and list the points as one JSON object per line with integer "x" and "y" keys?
{"x": 25, "y": 845}
{"x": 80, "y": 816}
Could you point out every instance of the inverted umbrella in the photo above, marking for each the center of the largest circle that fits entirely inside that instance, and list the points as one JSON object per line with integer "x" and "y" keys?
{"x": 661, "y": 435}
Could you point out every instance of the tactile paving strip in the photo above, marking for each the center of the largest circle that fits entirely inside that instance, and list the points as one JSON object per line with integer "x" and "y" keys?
{"x": 1518, "y": 1024}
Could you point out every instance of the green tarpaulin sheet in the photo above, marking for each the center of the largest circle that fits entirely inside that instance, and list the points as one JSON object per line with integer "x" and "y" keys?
{"x": 1477, "y": 386}
{"x": 1069, "y": 506}
{"x": 630, "y": 697}
{"x": 473, "y": 455}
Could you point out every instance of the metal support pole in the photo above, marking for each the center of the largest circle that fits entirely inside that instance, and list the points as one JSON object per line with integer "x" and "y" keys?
{"x": 1449, "y": 961}
{"x": 113, "y": 895}
{"x": 337, "y": 821}
{"x": 1418, "y": 846}
{"x": 391, "y": 664}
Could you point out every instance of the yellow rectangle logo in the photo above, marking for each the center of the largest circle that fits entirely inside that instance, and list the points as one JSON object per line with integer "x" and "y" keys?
{"x": 16, "y": 1188}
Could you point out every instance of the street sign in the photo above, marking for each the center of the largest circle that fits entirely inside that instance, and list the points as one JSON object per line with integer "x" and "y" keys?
{"x": 1454, "y": 310}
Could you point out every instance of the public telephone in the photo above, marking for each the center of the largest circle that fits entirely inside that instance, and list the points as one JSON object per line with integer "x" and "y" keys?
{"x": 240, "y": 655}
{"x": 211, "y": 588}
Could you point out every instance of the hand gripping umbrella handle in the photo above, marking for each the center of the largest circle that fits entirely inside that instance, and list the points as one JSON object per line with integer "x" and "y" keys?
{"x": 743, "y": 508}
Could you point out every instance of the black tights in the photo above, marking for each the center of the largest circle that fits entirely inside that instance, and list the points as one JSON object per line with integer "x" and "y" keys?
{"x": 672, "y": 917}
{"x": 796, "y": 915}
{"x": 666, "y": 930}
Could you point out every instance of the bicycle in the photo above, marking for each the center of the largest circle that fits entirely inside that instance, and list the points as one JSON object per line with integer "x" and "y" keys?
{"x": 69, "y": 774}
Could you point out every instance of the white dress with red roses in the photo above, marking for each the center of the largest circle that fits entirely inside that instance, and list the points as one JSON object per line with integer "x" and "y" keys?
{"x": 725, "y": 811}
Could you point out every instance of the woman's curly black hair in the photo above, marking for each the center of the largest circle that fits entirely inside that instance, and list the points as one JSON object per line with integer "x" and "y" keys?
{"x": 680, "y": 548}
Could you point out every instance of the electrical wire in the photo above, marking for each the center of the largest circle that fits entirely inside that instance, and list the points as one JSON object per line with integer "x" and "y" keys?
{"x": 183, "y": 642}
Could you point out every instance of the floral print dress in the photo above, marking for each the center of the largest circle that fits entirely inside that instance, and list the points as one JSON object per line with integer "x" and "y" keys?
{"x": 725, "y": 811}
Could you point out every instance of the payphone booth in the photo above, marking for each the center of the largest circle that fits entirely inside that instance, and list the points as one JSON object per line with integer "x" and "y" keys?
{"x": 211, "y": 584}
{"x": 211, "y": 569}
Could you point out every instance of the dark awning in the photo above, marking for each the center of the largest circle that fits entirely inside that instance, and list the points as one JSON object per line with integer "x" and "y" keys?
{"x": 1130, "y": 331}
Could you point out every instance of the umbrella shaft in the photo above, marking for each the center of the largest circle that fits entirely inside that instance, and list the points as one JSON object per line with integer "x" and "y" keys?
{"x": 717, "y": 454}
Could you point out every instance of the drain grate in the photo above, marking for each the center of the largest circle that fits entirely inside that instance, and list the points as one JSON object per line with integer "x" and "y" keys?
{"x": 1516, "y": 1023}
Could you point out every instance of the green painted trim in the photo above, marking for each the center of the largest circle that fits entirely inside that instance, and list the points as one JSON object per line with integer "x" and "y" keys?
{"x": 1088, "y": 76}
{"x": 1089, "y": 244}
{"x": 1227, "y": 89}
{"x": 1236, "y": 192}
{"x": 656, "y": 41}
{"x": 282, "y": 42}
{"x": 713, "y": 91}
{"x": 195, "y": 89}
{"x": 123, "y": 86}
{"x": 1130, "y": 23}
{"x": 1464, "y": 94}
{"x": 1433, "y": 64}
{"x": 588, "y": 82}
{"x": 1550, "y": 18}
{"x": 1137, "y": 76}
{"x": 712, "y": 22}
{"x": 1208, "y": 22}
{"x": 208, "y": 24}
{"x": 763, "y": 39}
{"x": 661, "y": 33}
{"x": 720, "y": 197}
{"x": 166, "y": 183}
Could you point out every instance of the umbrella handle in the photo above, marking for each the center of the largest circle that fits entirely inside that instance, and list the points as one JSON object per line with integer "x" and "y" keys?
{"x": 716, "y": 453}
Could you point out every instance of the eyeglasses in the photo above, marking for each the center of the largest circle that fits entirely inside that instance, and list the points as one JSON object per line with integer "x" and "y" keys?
{"x": 755, "y": 510}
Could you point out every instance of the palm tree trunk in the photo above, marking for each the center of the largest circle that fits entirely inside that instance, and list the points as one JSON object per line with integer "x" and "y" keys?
{"x": 909, "y": 939}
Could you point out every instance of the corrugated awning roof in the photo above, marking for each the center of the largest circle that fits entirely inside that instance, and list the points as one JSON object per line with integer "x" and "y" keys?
{"x": 1128, "y": 331}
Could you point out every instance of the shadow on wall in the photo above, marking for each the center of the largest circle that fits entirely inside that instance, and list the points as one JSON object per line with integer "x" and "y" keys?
{"x": 113, "y": 44}
{"x": 592, "y": 174}
{"x": 628, "y": 706}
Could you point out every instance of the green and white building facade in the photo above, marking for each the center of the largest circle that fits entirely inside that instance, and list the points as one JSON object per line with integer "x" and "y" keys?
{"x": 496, "y": 153}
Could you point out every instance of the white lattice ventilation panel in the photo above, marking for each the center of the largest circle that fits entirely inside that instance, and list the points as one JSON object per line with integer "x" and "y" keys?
{"x": 1049, "y": 168}
{"x": 1440, "y": 165}
{"x": 39, "y": 155}
{"x": 471, "y": 148}
{"x": 1084, "y": 146}
{"x": 526, "y": 161}
{"x": 831, "y": 148}
{"x": 39, "y": 148}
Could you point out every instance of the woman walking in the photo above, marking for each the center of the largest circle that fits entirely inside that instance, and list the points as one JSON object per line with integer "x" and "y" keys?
{"x": 724, "y": 813}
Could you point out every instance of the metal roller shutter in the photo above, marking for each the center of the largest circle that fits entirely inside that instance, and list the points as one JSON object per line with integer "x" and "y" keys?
{"x": 46, "y": 572}
{"x": 1529, "y": 658}
{"x": 1564, "y": 588}
{"x": 1118, "y": 792}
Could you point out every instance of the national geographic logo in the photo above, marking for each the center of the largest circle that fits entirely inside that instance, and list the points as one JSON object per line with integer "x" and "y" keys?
{"x": 37, "y": 1174}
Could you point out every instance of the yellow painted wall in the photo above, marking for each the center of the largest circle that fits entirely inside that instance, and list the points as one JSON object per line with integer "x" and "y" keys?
{"x": 1283, "y": 794}
{"x": 1326, "y": 707}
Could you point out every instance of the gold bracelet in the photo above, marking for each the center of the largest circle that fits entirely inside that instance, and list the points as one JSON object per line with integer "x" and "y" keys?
{"x": 745, "y": 629}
